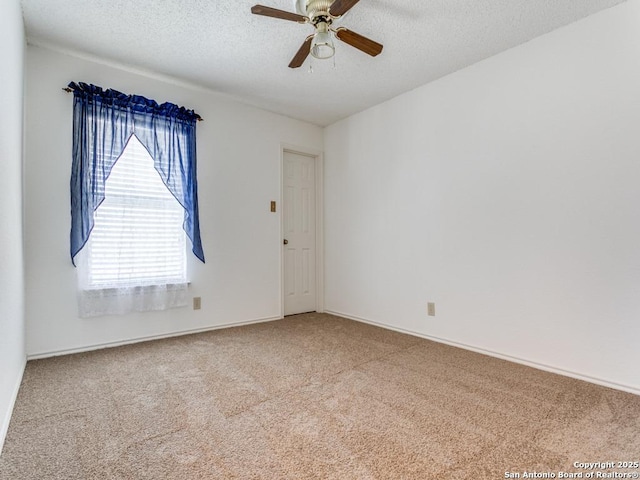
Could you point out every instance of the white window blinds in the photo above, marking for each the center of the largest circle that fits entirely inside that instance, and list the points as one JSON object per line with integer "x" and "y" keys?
{"x": 137, "y": 239}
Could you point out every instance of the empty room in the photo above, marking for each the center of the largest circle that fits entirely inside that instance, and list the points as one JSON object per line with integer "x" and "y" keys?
{"x": 319, "y": 239}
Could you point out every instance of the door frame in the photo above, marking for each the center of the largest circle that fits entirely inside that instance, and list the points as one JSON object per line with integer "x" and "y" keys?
{"x": 318, "y": 160}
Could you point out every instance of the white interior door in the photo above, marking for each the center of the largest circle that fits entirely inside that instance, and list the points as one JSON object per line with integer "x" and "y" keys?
{"x": 299, "y": 243}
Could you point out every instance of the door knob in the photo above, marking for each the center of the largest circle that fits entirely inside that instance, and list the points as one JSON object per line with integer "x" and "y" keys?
{"x": 285, "y": 241}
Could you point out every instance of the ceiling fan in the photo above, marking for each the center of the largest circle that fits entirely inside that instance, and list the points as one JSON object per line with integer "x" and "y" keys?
{"x": 321, "y": 14}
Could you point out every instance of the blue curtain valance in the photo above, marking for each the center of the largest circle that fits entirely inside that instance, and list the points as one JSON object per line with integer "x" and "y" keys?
{"x": 103, "y": 122}
{"x": 135, "y": 103}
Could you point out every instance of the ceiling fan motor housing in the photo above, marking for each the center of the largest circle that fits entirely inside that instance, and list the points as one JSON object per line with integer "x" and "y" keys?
{"x": 316, "y": 10}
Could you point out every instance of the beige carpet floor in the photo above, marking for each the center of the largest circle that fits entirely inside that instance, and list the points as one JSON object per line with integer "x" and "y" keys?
{"x": 311, "y": 396}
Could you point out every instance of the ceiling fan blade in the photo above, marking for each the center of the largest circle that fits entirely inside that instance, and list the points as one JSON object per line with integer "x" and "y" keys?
{"x": 340, "y": 7}
{"x": 356, "y": 40}
{"x": 275, "y": 13}
{"x": 302, "y": 53}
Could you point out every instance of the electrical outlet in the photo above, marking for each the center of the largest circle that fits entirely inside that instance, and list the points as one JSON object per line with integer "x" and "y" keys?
{"x": 431, "y": 309}
{"x": 197, "y": 303}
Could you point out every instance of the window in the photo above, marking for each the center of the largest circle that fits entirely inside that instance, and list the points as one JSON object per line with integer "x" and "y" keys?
{"x": 134, "y": 201}
{"x": 137, "y": 237}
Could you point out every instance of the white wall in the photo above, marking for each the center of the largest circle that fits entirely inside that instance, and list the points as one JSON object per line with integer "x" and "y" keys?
{"x": 12, "y": 339}
{"x": 509, "y": 194}
{"x": 238, "y": 175}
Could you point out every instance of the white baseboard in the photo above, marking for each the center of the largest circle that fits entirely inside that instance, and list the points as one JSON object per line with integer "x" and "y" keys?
{"x": 540, "y": 366}
{"x": 98, "y": 346}
{"x": 4, "y": 427}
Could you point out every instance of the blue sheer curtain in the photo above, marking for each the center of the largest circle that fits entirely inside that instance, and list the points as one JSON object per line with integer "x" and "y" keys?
{"x": 103, "y": 122}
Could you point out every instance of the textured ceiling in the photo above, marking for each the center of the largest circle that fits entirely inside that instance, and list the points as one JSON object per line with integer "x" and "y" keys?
{"x": 220, "y": 45}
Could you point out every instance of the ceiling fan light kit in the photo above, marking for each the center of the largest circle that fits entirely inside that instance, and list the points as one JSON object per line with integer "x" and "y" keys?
{"x": 321, "y": 14}
{"x": 322, "y": 44}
